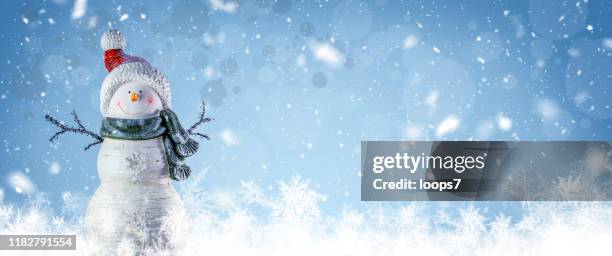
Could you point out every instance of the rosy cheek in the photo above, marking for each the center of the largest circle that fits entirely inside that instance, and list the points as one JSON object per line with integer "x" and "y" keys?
{"x": 150, "y": 99}
{"x": 118, "y": 103}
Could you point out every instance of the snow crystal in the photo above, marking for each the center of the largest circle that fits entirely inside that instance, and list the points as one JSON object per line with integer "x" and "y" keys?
{"x": 21, "y": 183}
{"x": 484, "y": 129}
{"x": 300, "y": 60}
{"x": 435, "y": 49}
{"x": 229, "y": 138}
{"x": 447, "y": 126}
{"x": 547, "y": 109}
{"x": 124, "y": 17}
{"x": 79, "y": 9}
{"x": 410, "y": 42}
{"x": 432, "y": 98}
{"x": 327, "y": 54}
{"x": 222, "y": 5}
{"x": 504, "y": 123}
{"x": 54, "y": 168}
{"x": 607, "y": 42}
{"x": 414, "y": 132}
{"x": 137, "y": 163}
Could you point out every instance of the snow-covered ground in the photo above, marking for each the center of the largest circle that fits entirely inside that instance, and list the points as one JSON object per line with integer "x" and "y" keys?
{"x": 292, "y": 223}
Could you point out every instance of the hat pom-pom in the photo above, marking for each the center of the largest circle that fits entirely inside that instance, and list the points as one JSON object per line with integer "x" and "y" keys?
{"x": 112, "y": 39}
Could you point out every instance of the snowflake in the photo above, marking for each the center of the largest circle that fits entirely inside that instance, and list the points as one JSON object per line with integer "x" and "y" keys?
{"x": 569, "y": 188}
{"x": 137, "y": 163}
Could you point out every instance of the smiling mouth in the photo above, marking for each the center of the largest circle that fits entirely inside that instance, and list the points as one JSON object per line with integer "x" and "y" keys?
{"x": 133, "y": 114}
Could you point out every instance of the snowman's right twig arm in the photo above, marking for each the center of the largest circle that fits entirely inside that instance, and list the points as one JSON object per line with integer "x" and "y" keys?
{"x": 79, "y": 129}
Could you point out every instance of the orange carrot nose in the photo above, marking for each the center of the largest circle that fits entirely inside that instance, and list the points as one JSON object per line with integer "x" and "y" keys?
{"x": 134, "y": 97}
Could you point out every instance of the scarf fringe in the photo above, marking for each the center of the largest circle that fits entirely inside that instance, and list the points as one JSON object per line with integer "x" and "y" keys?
{"x": 188, "y": 148}
{"x": 180, "y": 172}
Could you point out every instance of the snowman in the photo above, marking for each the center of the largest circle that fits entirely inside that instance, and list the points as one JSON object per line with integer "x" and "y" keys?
{"x": 135, "y": 210}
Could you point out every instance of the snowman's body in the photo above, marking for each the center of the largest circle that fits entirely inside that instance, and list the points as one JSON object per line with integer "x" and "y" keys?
{"x": 135, "y": 210}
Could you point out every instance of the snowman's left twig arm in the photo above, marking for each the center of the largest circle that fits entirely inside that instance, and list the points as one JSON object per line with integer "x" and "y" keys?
{"x": 201, "y": 120}
{"x": 79, "y": 129}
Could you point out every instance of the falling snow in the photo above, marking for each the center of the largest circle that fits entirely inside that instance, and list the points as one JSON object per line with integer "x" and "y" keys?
{"x": 294, "y": 86}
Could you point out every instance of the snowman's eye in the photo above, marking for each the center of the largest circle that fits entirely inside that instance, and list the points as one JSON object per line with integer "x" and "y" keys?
{"x": 141, "y": 92}
{"x": 129, "y": 92}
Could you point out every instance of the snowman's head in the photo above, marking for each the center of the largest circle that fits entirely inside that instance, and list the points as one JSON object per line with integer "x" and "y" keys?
{"x": 133, "y": 88}
{"x": 134, "y": 100}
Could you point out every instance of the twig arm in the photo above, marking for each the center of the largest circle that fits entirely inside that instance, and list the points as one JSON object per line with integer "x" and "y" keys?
{"x": 80, "y": 129}
{"x": 201, "y": 120}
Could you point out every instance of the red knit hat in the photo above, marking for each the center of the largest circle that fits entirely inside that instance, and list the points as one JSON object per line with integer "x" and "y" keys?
{"x": 113, "y": 43}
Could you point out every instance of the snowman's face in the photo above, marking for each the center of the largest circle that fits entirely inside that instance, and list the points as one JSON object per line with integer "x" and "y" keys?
{"x": 134, "y": 100}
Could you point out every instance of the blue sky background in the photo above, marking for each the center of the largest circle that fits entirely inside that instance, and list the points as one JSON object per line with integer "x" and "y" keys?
{"x": 294, "y": 86}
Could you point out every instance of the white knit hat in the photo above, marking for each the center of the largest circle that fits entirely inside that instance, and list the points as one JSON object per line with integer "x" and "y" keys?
{"x": 124, "y": 68}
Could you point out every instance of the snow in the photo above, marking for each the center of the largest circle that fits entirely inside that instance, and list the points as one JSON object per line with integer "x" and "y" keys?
{"x": 410, "y": 42}
{"x": 448, "y": 125}
{"x": 124, "y": 17}
{"x": 413, "y": 132}
{"x": 79, "y": 9}
{"x": 225, "y": 223}
{"x": 225, "y": 6}
{"x": 557, "y": 20}
{"x": 327, "y": 54}
{"x": 514, "y": 72}
{"x": 435, "y": 49}
{"x": 589, "y": 27}
{"x": 432, "y": 98}
{"x": 607, "y": 42}
{"x": 229, "y": 138}
{"x": 504, "y": 123}
{"x": 54, "y": 168}
{"x": 21, "y": 183}
{"x": 547, "y": 109}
